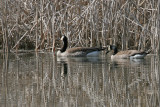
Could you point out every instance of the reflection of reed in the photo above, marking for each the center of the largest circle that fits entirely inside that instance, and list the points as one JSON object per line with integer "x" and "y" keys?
{"x": 84, "y": 83}
{"x": 4, "y": 77}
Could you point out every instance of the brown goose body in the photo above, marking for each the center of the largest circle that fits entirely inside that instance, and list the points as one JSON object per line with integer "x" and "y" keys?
{"x": 127, "y": 54}
{"x": 77, "y": 51}
{"x": 80, "y": 52}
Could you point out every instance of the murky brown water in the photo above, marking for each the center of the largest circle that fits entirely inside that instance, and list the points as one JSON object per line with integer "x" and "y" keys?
{"x": 42, "y": 80}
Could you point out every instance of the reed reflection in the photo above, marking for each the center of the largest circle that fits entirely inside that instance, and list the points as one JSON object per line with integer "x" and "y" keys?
{"x": 44, "y": 80}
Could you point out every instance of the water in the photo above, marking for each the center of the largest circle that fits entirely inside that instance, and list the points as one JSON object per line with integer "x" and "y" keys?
{"x": 43, "y": 80}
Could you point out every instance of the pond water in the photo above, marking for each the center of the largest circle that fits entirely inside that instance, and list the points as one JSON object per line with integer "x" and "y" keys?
{"x": 43, "y": 80}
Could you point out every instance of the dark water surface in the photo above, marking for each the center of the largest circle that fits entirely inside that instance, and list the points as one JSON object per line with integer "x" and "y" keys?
{"x": 43, "y": 80}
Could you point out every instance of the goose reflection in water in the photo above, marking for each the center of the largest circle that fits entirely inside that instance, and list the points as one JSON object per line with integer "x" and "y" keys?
{"x": 127, "y": 62}
{"x": 79, "y": 59}
{"x": 64, "y": 68}
{"x": 67, "y": 62}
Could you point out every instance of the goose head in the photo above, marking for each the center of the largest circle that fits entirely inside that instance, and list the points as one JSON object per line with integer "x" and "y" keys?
{"x": 63, "y": 49}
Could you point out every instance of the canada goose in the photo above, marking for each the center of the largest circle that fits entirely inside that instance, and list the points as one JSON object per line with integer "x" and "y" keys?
{"x": 77, "y": 51}
{"x": 133, "y": 54}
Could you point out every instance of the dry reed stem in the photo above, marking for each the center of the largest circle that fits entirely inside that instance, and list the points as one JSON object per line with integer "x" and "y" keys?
{"x": 128, "y": 24}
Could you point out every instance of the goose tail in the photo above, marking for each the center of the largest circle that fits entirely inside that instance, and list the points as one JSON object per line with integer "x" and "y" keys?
{"x": 148, "y": 51}
{"x": 106, "y": 49}
{"x": 103, "y": 48}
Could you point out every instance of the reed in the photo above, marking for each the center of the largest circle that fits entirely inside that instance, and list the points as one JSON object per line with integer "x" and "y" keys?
{"x": 128, "y": 24}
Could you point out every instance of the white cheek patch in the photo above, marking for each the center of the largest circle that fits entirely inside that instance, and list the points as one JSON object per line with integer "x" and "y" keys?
{"x": 62, "y": 37}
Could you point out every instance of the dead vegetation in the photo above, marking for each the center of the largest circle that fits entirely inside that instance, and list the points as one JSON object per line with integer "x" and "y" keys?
{"x": 31, "y": 24}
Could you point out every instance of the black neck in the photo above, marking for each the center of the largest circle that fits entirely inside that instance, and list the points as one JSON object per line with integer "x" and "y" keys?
{"x": 115, "y": 51}
{"x": 65, "y": 44}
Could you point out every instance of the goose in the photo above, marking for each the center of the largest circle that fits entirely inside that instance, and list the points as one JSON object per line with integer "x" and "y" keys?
{"x": 132, "y": 54}
{"x": 77, "y": 51}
